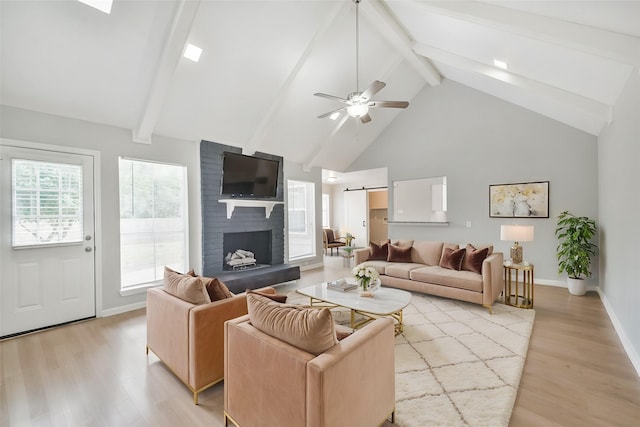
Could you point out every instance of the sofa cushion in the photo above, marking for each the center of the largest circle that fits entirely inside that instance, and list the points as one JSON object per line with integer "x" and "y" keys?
{"x": 185, "y": 287}
{"x": 455, "y": 279}
{"x": 309, "y": 329}
{"x": 452, "y": 258}
{"x": 378, "y": 251}
{"x": 444, "y": 246}
{"x": 474, "y": 257}
{"x": 215, "y": 288}
{"x": 273, "y": 297}
{"x": 426, "y": 252}
{"x": 399, "y": 254}
{"x": 380, "y": 266}
{"x": 403, "y": 243}
{"x": 400, "y": 270}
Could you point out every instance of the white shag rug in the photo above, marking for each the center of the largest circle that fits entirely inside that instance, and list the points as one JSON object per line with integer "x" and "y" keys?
{"x": 456, "y": 364}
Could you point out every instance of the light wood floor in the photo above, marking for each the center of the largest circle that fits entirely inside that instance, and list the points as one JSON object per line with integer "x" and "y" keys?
{"x": 96, "y": 373}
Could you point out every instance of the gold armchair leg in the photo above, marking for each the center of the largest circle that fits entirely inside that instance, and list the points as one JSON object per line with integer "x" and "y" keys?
{"x": 147, "y": 350}
{"x": 195, "y": 397}
{"x": 488, "y": 307}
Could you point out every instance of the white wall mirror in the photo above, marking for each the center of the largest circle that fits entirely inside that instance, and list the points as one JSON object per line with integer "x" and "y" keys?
{"x": 420, "y": 200}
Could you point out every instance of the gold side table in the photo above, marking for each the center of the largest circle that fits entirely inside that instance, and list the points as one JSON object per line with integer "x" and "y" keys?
{"x": 516, "y": 293}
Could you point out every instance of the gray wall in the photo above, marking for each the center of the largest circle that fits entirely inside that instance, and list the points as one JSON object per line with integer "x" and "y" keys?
{"x": 618, "y": 157}
{"x": 111, "y": 142}
{"x": 476, "y": 140}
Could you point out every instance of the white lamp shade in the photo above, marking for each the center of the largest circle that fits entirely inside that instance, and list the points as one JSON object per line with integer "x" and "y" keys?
{"x": 516, "y": 233}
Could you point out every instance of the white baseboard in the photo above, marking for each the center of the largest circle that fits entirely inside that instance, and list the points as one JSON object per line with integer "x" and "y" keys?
{"x": 311, "y": 266}
{"x": 122, "y": 309}
{"x": 547, "y": 282}
{"x": 628, "y": 347}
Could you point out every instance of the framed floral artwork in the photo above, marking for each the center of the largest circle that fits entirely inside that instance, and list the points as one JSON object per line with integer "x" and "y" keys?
{"x": 522, "y": 200}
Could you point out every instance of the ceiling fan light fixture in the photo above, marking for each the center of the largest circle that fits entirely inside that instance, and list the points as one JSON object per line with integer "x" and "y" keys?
{"x": 357, "y": 110}
{"x": 335, "y": 115}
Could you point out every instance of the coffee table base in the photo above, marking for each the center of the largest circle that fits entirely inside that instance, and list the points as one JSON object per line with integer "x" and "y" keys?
{"x": 396, "y": 316}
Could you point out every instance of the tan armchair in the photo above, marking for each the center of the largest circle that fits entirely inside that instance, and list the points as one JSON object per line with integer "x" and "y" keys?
{"x": 330, "y": 241}
{"x": 189, "y": 338}
{"x": 269, "y": 382}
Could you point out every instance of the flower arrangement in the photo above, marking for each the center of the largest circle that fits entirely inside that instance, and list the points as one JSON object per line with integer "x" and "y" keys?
{"x": 365, "y": 275}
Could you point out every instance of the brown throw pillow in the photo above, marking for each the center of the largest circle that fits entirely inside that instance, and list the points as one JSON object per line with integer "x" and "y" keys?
{"x": 452, "y": 258}
{"x": 273, "y": 297}
{"x": 378, "y": 252}
{"x": 215, "y": 288}
{"x": 185, "y": 287}
{"x": 398, "y": 254}
{"x": 309, "y": 329}
{"x": 473, "y": 258}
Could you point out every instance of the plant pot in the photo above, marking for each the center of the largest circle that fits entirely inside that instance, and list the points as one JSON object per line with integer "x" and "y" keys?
{"x": 576, "y": 286}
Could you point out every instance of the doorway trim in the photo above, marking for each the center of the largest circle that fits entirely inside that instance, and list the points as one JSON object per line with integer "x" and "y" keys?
{"x": 97, "y": 197}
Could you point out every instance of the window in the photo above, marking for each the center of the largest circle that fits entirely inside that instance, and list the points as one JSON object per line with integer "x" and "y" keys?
{"x": 301, "y": 219}
{"x": 325, "y": 211}
{"x": 153, "y": 221}
{"x": 47, "y": 203}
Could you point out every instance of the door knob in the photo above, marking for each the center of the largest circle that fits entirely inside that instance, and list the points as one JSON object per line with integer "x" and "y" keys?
{"x": 88, "y": 249}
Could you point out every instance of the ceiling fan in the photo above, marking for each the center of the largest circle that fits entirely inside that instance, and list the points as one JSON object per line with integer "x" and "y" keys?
{"x": 357, "y": 103}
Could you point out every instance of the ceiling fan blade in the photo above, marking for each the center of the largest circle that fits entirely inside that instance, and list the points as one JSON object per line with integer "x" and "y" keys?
{"x": 389, "y": 104}
{"x": 366, "y": 118}
{"x": 335, "y": 98}
{"x": 373, "y": 88}
{"x": 330, "y": 113}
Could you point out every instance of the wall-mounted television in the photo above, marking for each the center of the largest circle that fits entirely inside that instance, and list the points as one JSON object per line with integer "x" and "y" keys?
{"x": 248, "y": 176}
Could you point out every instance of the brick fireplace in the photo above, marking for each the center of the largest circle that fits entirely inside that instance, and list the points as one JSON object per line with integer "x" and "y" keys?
{"x": 217, "y": 229}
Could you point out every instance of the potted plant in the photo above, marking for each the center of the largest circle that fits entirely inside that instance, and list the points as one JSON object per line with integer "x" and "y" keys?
{"x": 575, "y": 249}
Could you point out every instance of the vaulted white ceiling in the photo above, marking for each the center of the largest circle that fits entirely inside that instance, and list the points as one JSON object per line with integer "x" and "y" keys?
{"x": 263, "y": 60}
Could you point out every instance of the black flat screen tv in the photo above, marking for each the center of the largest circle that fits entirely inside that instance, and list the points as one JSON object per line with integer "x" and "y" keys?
{"x": 248, "y": 176}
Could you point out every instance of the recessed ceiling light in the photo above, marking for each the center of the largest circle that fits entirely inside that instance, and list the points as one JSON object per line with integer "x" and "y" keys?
{"x": 334, "y": 115}
{"x": 500, "y": 64}
{"x": 101, "y": 5}
{"x": 192, "y": 52}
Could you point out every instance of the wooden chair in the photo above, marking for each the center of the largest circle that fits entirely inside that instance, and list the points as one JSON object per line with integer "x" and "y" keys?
{"x": 330, "y": 241}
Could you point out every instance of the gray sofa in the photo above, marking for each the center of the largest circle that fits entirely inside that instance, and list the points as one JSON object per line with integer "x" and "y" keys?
{"x": 423, "y": 271}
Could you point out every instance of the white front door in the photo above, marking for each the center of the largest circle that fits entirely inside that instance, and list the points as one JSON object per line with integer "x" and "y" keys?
{"x": 46, "y": 230}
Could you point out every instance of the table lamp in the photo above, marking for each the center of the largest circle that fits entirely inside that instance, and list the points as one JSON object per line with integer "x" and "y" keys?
{"x": 516, "y": 233}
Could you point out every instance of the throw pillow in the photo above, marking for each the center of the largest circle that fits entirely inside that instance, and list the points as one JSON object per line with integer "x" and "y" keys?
{"x": 185, "y": 287}
{"x": 473, "y": 258}
{"x": 273, "y": 297}
{"x": 378, "y": 252}
{"x": 216, "y": 289}
{"x": 452, "y": 258}
{"x": 399, "y": 254}
{"x": 308, "y": 329}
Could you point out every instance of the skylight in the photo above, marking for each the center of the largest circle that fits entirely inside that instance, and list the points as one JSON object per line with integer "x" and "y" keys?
{"x": 192, "y": 52}
{"x": 500, "y": 64}
{"x": 101, "y": 5}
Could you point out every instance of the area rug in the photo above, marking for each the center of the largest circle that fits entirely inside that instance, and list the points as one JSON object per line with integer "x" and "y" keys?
{"x": 456, "y": 364}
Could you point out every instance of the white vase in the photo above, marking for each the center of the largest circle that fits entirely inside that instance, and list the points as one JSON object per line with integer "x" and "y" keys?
{"x": 576, "y": 286}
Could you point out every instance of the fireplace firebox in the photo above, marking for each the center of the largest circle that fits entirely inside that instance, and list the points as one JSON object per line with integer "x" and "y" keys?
{"x": 246, "y": 246}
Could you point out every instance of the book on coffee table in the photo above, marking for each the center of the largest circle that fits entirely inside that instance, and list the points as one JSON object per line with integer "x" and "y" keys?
{"x": 341, "y": 285}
